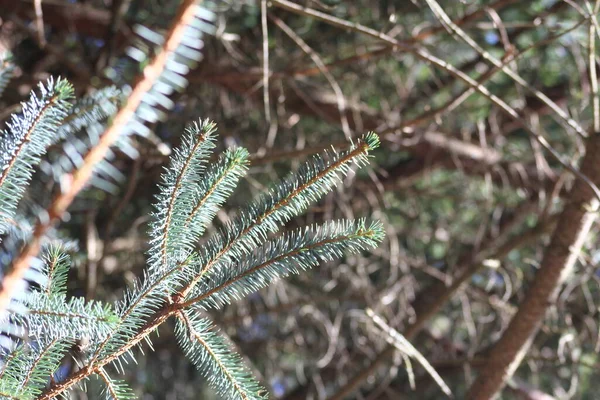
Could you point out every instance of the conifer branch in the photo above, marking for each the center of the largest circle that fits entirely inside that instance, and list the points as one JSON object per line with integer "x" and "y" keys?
{"x": 218, "y": 185}
{"x": 58, "y": 388}
{"x": 186, "y": 166}
{"x": 190, "y": 197}
{"x": 7, "y": 361}
{"x": 358, "y": 152}
{"x": 57, "y": 316}
{"x": 307, "y": 248}
{"x": 21, "y": 148}
{"x": 137, "y": 299}
{"x": 115, "y": 390}
{"x": 286, "y": 202}
{"x": 57, "y": 268}
{"x": 299, "y": 250}
{"x": 22, "y": 141}
{"x": 79, "y": 178}
{"x": 150, "y": 304}
{"x": 109, "y": 386}
{"x": 224, "y": 370}
{"x": 37, "y": 364}
{"x": 99, "y": 105}
{"x": 37, "y": 361}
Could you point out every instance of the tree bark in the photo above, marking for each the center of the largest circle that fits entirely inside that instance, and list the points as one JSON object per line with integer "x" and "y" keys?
{"x": 571, "y": 231}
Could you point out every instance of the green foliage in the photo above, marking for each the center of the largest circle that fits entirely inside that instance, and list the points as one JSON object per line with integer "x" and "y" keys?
{"x": 80, "y": 132}
{"x": 181, "y": 278}
{"x": 290, "y": 253}
{"x": 57, "y": 316}
{"x": 115, "y": 389}
{"x": 26, "y": 369}
{"x": 209, "y": 351}
{"x": 175, "y": 200}
{"x": 56, "y": 263}
{"x": 26, "y": 139}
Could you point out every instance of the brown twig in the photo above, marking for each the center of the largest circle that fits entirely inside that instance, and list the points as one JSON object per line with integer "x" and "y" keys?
{"x": 339, "y": 95}
{"x": 39, "y": 22}
{"x": 77, "y": 180}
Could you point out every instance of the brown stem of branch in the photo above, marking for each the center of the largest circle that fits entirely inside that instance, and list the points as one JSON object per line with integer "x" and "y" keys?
{"x": 78, "y": 179}
{"x": 560, "y": 256}
{"x": 149, "y": 327}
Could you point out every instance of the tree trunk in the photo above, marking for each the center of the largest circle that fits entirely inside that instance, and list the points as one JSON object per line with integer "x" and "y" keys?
{"x": 573, "y": 226}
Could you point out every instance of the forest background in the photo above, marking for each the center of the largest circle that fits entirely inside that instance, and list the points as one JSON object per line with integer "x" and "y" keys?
{"x": 486, "y": 182}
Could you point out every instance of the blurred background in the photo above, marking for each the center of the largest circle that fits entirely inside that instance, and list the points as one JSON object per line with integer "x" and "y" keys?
{"x": 467, "y": 194}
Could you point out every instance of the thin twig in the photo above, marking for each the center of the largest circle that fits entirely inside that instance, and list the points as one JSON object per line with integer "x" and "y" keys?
{"x": 406, "y": 347}
{"x": 442, "y": 64}
{"x": 454, "y": 102}
{"x": 265, "y": 49}
{"x": 339, "y": 95}
{"x": 39, "y": 22}
{"x": 437, "y": 299}
{"x": 593, "y": 70}
{"x": 456, "y": 30}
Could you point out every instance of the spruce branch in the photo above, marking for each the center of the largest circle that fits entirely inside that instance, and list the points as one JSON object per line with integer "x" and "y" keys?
{"x": 291, "y": 253}
{"x": 26, "y": 139}
{"x": 57, "y": 316}
{"x": 160, "y": 294}
{"x": 181, "y": 32}
{"x": 115, "y": 389}
{"x": 291, "y": 197}
{"x": 218, "y": 183}
{"x": 56, "y": 269}
{"x": 7, "y": 391}
{"x": 143, "y": 302}
{"x": 224, "y": 370}
{"x": 175, "y": 199}
{"x": 30, "y": 369}
{"x": 306, "y": 247}
{"x": 286, "y": 200}
{"x": 33, "y": 372}
{"x": 154, "y": 322}
{"x": 21, "y": 147}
